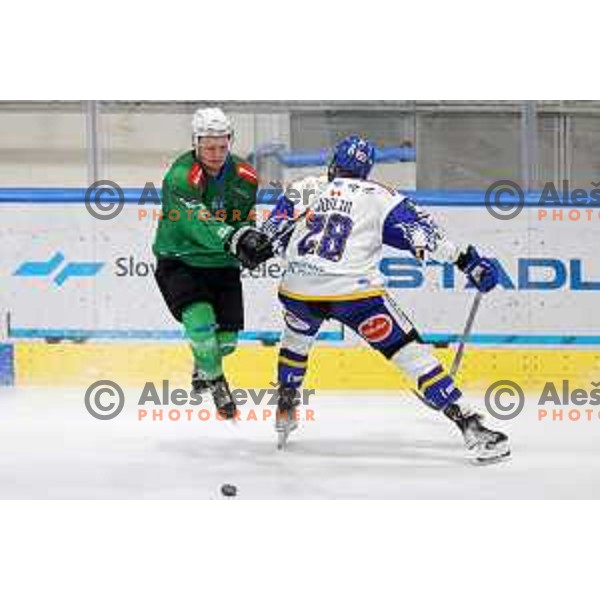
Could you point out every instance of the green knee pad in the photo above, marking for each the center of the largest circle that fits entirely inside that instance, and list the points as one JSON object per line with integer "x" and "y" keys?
{"x": 227, "y": 341}
{"x": 200, "y": 328}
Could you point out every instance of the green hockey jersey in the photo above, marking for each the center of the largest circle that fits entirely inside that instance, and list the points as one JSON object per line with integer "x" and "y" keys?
{"x": 200, "y": 212}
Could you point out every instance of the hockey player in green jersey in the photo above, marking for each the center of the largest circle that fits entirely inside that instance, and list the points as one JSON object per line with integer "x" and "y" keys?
{"x": 205, "y": 233}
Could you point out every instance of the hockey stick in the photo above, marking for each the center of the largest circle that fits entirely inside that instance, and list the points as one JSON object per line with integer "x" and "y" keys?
{"x": 466, "y": 333}
{"x": 461, "y": 345}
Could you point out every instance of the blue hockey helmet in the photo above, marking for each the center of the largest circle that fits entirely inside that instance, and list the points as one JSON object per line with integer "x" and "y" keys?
{"x": 353, "y": 156}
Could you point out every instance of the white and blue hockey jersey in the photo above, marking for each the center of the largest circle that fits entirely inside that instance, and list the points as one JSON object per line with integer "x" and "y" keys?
{"x": 333, "y": 253}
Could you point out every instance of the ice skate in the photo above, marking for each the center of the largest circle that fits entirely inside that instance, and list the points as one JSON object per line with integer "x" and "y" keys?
{"x": 486, "y": 445}
{"x": 219, "y": 390}
{"x": 285, "y": 422}
{"x": 200, "y": 385}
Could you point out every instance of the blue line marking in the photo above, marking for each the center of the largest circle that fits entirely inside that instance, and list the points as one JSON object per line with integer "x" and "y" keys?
{"x": 274, "y": 336}
{"x": 515, "y": 339}
{"x": 144, "y": 334}
{"x": 448, "y": 198}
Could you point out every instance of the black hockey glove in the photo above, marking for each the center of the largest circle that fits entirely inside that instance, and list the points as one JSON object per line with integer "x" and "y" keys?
{"x": 250, "y": 246}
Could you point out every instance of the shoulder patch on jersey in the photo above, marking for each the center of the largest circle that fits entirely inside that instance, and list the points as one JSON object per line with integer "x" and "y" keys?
{"x": 195, "y": 175}
{"x": 245, "y": 171}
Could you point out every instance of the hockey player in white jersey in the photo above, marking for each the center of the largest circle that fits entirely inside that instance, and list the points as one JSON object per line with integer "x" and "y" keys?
{"x": 331, "y": 272}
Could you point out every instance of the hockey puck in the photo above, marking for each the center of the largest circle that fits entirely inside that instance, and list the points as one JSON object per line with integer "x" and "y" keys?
{"x": 228, "y": 490}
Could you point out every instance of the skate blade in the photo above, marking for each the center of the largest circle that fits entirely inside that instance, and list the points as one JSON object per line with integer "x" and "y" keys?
{"x": 282, "y": 437}
{"x": 498, "y": 455}
{"x": 283, "y": 433}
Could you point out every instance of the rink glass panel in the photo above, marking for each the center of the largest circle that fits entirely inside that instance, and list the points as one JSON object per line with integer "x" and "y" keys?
{"x": 457, "y": 146}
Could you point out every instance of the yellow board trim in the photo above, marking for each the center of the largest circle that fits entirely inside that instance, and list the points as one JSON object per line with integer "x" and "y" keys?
{"x": 340, "y": 298}
{"x": 329, "y": 367}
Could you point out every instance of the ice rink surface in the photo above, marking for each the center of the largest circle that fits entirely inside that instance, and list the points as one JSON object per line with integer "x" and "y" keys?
{"x": 359, "y": 446}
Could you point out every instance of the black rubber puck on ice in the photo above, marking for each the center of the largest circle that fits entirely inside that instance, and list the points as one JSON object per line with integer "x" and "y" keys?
{"x": 228, "y": 490}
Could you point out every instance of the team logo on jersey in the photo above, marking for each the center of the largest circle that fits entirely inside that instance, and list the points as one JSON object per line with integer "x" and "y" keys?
{"x": 295, "y": 323}
{"x": 195, "y": 175}
{"x": 376, "y": 328}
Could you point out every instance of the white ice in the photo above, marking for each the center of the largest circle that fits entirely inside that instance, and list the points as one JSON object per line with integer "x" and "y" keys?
{"x": 360, "y": 445}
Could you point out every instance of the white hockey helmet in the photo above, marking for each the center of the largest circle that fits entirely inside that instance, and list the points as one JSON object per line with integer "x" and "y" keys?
{"x": 210, "y": 122}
